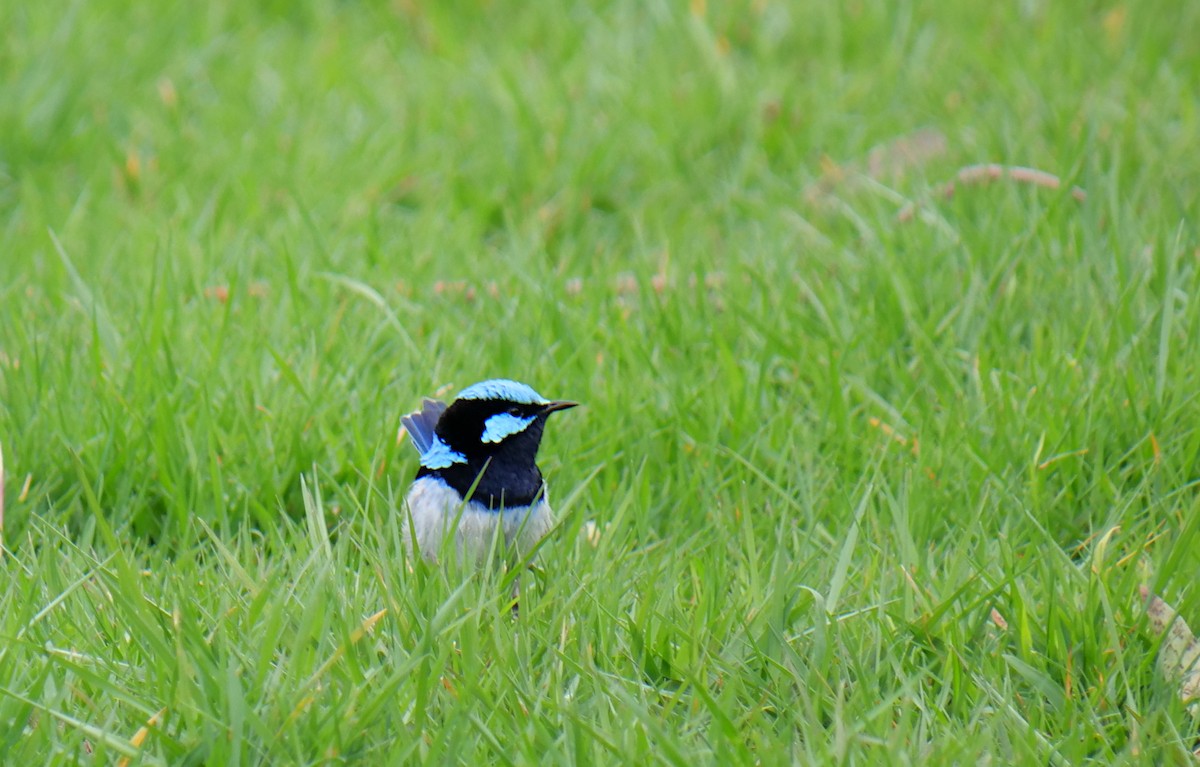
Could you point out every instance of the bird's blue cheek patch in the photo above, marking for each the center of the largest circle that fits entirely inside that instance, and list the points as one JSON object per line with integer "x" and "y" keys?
{"x": 503, "y": 425}
{"x": 441, "y": 456}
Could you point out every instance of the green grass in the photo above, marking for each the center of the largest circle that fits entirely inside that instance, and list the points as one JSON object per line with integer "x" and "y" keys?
{"x": 868, "y": 490}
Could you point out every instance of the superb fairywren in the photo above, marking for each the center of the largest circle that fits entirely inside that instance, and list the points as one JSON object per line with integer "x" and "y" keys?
{"x": 479, "y": 477}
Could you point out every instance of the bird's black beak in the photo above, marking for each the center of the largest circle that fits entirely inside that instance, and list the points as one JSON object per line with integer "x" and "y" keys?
{"x": 561, "y": 404}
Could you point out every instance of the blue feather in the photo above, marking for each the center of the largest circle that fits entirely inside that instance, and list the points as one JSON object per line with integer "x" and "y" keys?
{"x": 502, "y": 425}
{"x": 441, "y": 456}
{"x": 420, "y": 425}
{"x": 503, "y": 389}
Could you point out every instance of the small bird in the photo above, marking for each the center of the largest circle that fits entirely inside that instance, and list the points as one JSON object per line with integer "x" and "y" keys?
{"x": 479, "y": 476}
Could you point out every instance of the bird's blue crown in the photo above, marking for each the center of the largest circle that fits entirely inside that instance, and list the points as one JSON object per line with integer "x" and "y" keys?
{"x": 504, "y": 389}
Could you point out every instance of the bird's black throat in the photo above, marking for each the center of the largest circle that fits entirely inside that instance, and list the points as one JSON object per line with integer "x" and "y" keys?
{"x": 507, "y": 472}
{"x": 504, "y": 484}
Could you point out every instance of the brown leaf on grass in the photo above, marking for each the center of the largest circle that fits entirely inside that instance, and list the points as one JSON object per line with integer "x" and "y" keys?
{"x": 998, "y": 619}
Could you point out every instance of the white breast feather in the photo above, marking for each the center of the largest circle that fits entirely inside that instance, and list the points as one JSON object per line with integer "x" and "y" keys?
{"x": 433, "y": 506}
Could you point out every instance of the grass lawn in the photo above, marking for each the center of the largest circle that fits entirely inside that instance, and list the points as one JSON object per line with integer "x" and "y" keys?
{"x": 878, "y": 449}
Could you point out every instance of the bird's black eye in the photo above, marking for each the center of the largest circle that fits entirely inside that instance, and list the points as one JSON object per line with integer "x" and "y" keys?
{"x": 514, "y": 411}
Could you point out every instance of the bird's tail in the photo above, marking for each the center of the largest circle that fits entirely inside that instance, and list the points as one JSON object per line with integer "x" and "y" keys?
{"x": 420, "y": 425}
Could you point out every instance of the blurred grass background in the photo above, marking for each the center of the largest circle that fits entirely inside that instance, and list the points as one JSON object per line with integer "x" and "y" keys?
{"x": 822, "y": 440}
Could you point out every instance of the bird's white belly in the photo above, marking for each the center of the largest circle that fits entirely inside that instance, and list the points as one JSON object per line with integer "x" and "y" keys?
{"x": 433, "y": 508}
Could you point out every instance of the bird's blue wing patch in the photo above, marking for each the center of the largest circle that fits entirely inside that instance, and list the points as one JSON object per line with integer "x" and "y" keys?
{"x": 440, "y": 455}
{"x": 503, "y": 389}
{"x": 504, "y": 425}
{"x": 420, "y": 425}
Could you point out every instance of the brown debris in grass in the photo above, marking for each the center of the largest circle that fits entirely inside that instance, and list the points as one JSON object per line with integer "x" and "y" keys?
{"x": 998, "y": 620}
{"x": 888, "y": 162}
{"x": 139, "y": 737}
{"x": 1178, "y": 654}
{"x": 978, "y": 175}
